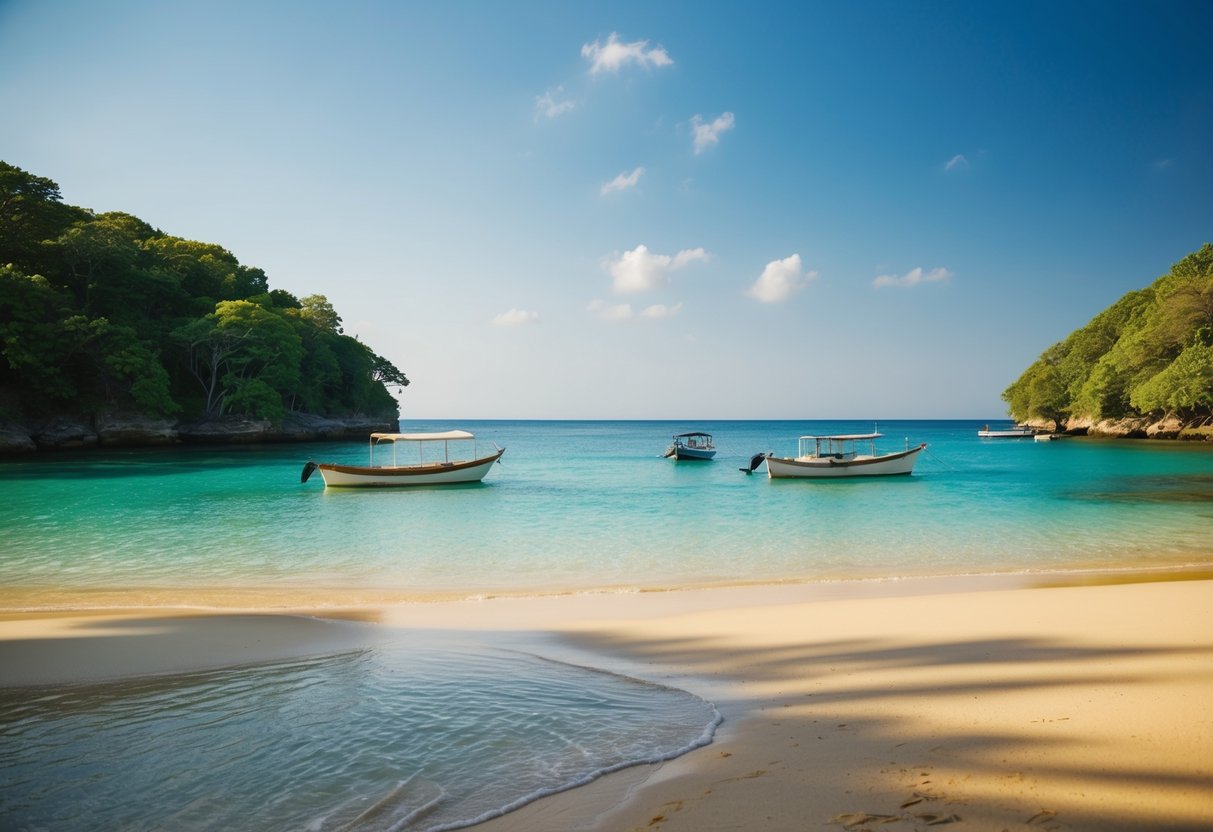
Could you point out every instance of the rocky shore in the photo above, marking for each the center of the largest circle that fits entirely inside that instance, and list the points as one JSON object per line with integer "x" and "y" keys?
{"x": 1169, "y": 427}
{"x": 66, "y": 432}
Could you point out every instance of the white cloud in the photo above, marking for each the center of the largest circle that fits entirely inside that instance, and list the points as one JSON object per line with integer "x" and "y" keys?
{"x": 707, "y": 135}
{"x": 613, "y": 55}
{"x": 912, "y": 278}
{"x": 957, "y": 162}
{"x": 619, "y": 312}
{"x": 660, "y": 310}
{"x": 553, "y": 103}
{"x": 623, "y": 311}
{"x": 780, "y": 279}
{"x": 515, "y": 317}
{"x": 639, "y": 270}
{"x": 623, "y": 181}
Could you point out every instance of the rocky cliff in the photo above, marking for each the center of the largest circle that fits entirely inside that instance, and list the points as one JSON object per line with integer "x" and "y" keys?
{"x": 66, "y": 432}
{"x": 1169, "y": 427}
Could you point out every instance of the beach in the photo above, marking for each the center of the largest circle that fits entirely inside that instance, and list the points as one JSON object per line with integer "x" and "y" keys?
{"x": 972, "y": 703}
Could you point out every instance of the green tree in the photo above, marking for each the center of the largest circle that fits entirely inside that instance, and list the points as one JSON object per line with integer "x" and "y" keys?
{"x": 31, "y": 212}
{"x": 129, "y": 371}
{"x": 1143, "y": 355}
{"x": 1184, "y": 387}
{"x": 207, "y": 272}
{"x": 237, "y": 352}
{"x": 35, "y": 346}
{"x": 1040, "y": 393}
{"x": 107, "y": 310}
{"x": 318, "y": 310}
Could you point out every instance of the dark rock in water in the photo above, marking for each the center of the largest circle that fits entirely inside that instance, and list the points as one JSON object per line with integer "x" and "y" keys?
{"x": 116, "y": 429}
{"x": 64, "y": 432}
{"x": 298, "y": 427}
{"x": 295, "y": 427}
{"x": 227, "y": 429}
{"x": 125, "y": 429}
{"x": 15, "y": 439}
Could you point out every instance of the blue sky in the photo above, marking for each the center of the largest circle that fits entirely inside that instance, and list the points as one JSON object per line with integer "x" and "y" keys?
{"x": 682, "y": 210}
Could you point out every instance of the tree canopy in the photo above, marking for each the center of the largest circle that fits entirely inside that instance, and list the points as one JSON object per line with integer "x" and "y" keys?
{"x": 103, "y": 310}
{"x": 1150, "y": 354}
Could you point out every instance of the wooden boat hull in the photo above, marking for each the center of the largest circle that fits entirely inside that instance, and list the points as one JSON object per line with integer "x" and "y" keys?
{"x": 430, "y": 473}
{"x": 829, "y": 467}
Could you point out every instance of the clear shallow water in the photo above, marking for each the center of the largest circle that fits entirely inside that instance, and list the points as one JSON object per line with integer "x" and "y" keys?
{"x": 590, "y": 505}
{"x": 395, "y": 738}
{"x": 404, "y": 737}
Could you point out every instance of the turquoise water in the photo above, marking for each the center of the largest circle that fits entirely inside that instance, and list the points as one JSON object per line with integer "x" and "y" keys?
{"x": 393, "y": 738}
{"x": 590, "y": 505}
{"x": 413, "y": 737}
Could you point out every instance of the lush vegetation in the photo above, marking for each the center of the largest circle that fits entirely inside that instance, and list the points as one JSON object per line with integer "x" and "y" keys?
{"x": 1150, "y": 355}
{"x": 105, "y": 311}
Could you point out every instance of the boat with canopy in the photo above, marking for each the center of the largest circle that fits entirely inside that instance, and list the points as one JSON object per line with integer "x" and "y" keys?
{"x": 448, "y": 468}
{"x": 839, "y": 455}
{"x": 693, "y": 445}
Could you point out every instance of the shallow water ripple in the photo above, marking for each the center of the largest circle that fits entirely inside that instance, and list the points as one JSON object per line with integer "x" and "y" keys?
{"x": 396, "y": 737}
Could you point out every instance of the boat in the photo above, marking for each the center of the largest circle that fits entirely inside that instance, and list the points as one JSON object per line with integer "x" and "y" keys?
{"x": 693, "y": 445}
{"x": 838, "y": 456}
{"x": 1014, "y": 432}
{"x": 444, "y": 471}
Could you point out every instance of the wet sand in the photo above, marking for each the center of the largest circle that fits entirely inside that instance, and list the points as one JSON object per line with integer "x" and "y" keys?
{"x": 967, "y": 704}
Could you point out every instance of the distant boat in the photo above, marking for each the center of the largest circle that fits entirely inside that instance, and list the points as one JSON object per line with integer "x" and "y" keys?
{"x": 837, "y": 456}
{"x": 1014, "y": 432}
{"x": 693, "y": 445}
{"x": 439, "y": 472}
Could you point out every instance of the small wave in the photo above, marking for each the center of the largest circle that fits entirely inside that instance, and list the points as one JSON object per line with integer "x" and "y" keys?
{"x": 391, "y": 738}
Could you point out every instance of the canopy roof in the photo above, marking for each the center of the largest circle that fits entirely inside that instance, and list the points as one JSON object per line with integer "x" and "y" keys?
{"x": 848, "y": 436}
{"x": 692, "y": 433}
{"x": 421, "y": 437}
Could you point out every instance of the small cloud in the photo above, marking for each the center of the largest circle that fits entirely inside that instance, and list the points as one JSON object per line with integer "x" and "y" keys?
{"x": 639, "y": 270}
{"x": 623, "y": 181}
{"x": 613, "y": 55}
{"x": 619, "y": 312}
{"x": 553, "y": 103}
{"x": 780, "y": 280}
{"x": 912, "y": 278}
{"x": 707, "y": 135}
{"x": 957, "y": 162}
{"x": 515, "y": 317}
{"x": 660, "y": 310}
{"x": 1163, "y": 164}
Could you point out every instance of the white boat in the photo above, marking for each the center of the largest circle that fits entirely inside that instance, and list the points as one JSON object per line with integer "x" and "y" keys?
{"x": 444, "y": 471}
{"x": 693, "y": 445}
{"x": 1015, "y": 432}
{"x": 837, "y": 456}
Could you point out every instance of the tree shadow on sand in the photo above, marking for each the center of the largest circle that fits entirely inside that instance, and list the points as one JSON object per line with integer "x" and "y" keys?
{"x": 877, "y": 734}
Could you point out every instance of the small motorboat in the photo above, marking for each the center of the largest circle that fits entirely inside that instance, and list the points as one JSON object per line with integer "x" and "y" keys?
{"x": 693, "y": 445}
{"x": 1013, "y": 432}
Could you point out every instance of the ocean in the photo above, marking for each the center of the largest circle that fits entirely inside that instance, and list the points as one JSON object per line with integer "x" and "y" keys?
{"x": 408, "y": 736}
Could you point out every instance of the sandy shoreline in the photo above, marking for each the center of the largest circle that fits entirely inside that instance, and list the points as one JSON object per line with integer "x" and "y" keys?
{"x": 966, "y": 703}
